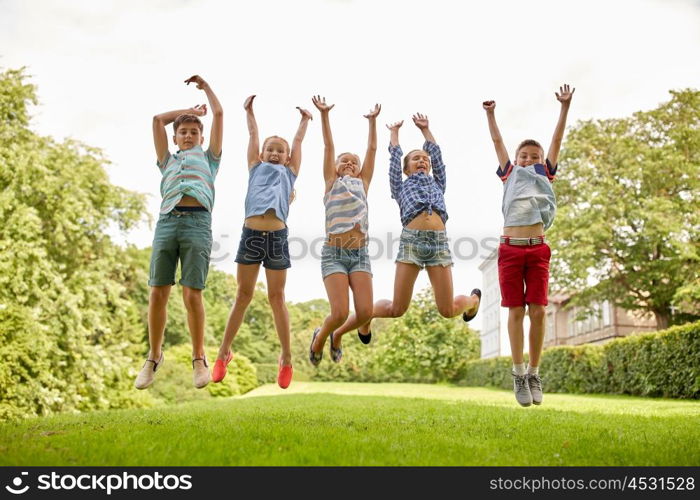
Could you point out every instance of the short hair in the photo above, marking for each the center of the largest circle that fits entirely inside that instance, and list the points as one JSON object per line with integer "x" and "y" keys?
{"x": 528, "y": 142}
{"x": 286, "y": 144}
{"x": 188, "y": 119}
{"x": 405, "y": 158}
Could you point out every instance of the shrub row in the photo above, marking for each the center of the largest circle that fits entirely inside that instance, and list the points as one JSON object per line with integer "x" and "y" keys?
{"x": 660, "y": 364}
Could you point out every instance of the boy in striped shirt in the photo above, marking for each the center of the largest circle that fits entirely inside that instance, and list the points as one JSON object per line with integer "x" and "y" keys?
{"x": 183, "y": 231}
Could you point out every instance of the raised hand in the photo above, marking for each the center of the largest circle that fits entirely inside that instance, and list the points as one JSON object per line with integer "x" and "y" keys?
{"x": 420, "y": 120}
{"x": 320, "y": 103}
{"x": 489, "y": 105}
{"x": 306, "y": 114}
{"x": 565, "y": 93}
{"x": 201, "y": 83}
{"x": 374, "y": 112}
{"x": 248, "y": 104}
{"x": 199, "y": 110}
{"x": 394, "y": 127}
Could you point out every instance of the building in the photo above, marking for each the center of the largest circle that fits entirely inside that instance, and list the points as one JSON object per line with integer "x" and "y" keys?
{"x": 562, "y": 326}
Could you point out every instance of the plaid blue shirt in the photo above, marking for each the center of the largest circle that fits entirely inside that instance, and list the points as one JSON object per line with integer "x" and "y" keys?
{"x": 420, "y": 192}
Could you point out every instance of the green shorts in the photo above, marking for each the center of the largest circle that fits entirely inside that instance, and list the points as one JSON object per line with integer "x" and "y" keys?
{"x": 183, "y": 236}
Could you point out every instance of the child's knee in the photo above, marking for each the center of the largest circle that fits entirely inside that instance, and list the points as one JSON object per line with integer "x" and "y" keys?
{"x": 516, "y": 313}
{"x": 275, "y": 297}
{"x": 191, "y": 296}
{"x": 363, "y": 314}
{"x": 339, "y": 316}
{"x": 536, "y": 312}
{"x": 159, "y": 294}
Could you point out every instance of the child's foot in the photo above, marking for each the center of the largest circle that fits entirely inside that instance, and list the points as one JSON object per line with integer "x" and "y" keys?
{"x": 315, "y": 357}
{"x": 521, "y": 389}
{"x": 468, "y": 317}
{"x": 200, "y": 372}
{"x": 284, "y": 375}
{"x": 219, "y": 371}
{"x": 148, "y": 372}
{"x": 535, "y": 383}
{"x": 365, "y": 338}
{"x": 336, "y": 354}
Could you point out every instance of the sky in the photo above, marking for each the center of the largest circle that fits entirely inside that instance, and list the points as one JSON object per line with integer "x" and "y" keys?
{"x": 103, "y": 69}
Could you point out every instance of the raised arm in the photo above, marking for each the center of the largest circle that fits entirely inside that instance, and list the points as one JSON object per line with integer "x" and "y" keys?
{"x": 295, "y": 155}
{"x": 253, "y": 139}
{"x": 368, "y": 164}
{"x": 329, "y": 174}
{"x": 432, "y": 149}
{"x": 421, "y": 122}
{"x": 217, "y": 125}
{"x": 501, "y": 151}
{"x": 395, "y": 153}
{"x": 564, "y": 97}
{"x": 160, "y": 136}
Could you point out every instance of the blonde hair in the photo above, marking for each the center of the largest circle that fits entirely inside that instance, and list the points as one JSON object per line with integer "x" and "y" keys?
{"x": 359, "y": 162}
{"x": 405, "y": 158}
{"x": 286, "y": 144}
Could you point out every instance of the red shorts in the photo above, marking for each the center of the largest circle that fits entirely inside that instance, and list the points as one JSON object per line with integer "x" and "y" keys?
{"x": 523, "y": 273}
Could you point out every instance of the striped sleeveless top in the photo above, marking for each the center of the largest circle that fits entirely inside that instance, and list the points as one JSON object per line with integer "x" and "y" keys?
{"x": 346, "y": 206}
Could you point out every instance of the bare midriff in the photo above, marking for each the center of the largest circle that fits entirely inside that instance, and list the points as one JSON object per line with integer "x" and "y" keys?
{"x": 189, "y": 201}
{"x": 265, "y": 222}
{"x": 531, "y": 231}
{"x": 354, "y": 238}
{"x": 427, "y": 222}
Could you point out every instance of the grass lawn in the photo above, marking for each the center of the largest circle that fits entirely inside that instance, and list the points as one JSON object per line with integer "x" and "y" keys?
{"x": 315, "y": 423}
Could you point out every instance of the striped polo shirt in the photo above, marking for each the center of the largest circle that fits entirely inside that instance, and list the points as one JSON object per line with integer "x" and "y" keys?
{"x": 346, "y": 205}
{"x": 190, "y": 172}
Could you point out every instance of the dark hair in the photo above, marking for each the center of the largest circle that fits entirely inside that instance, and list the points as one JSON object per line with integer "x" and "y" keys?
{"x": 187, "y": 119}
{"x": 528, "y": 142}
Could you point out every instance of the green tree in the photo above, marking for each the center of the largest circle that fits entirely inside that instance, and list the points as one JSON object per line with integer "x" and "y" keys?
{"x": 628, "y": 227}
{"x": 68, "y": 328}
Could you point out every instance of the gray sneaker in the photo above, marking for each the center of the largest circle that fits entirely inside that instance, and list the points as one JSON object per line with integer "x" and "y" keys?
{"x": 148, "y": 372}
{"x": 522, "y": 390}
{"x": 200, "y": 374}
{"x": 535, "y": 383}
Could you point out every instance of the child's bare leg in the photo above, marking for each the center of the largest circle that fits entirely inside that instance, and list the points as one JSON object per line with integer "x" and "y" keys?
{"x": 276, "y": 279}
{"x": 196, "y": 316}
{"x": 246, "y": 276}
{"x": 404, "y": 280}
{"x": 449, "y": 306}
{"x": 338, "y": 296}
{"x": 516, "y": 315}
{"x": 361, "y": 285}
{"x": 537, "y": 322}
{"x": 157, "y": 316}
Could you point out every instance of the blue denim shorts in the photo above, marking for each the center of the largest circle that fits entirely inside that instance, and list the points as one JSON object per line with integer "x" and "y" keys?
{"x": 424, "y": 248}
{"x": 344, "y": 260}
{"x": 267, "y": 247}
{"x": 184, "y": 237}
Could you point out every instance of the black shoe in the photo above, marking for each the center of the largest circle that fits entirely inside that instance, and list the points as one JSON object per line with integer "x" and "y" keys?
{"x": 365, "y": 339}
{"x": 466, "y": 318}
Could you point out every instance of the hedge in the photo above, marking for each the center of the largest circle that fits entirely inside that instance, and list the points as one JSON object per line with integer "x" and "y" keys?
{"x": 659, "y": 364}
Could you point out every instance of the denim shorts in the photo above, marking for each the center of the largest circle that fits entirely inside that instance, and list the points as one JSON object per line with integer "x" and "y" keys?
{"x": 344, "y": 260}
{"x": 267, "y": 247}
{"x": 184, "y": 237}
{"x": 424, "y": 248}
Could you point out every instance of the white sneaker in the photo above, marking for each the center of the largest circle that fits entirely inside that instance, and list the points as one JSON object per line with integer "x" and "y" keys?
{"x": 148, "y": 372}
{"x": 201, "y": 372}
{"x": 535, "y": 383}
{"x": 522, "y": 390}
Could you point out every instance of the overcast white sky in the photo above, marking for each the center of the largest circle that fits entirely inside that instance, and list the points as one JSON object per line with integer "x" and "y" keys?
{"x": 104, "y": 68}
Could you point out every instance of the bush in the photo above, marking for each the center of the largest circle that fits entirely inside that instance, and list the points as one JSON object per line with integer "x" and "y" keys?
{"x": 661, "y": 364}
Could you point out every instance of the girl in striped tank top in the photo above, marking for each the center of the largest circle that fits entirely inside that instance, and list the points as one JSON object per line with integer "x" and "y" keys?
{"x": 345, "y": 264}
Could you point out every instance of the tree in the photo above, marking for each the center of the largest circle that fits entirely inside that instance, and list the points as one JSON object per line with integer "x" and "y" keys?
{"x": 68, "y": 328}
{"x": 628, "y": 227}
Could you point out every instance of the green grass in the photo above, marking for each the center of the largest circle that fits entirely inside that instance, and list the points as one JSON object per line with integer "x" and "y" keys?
{"x": 368, "y": 424}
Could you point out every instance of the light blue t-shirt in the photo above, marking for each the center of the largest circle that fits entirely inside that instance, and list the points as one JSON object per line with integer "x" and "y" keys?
{"x": 270, "y": 185}
{"x": 528, "y": 197}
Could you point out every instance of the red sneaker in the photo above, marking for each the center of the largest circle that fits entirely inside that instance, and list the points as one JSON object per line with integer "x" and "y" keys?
{"x": 284, "y": 375}
{"x": 219, "y": 371}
